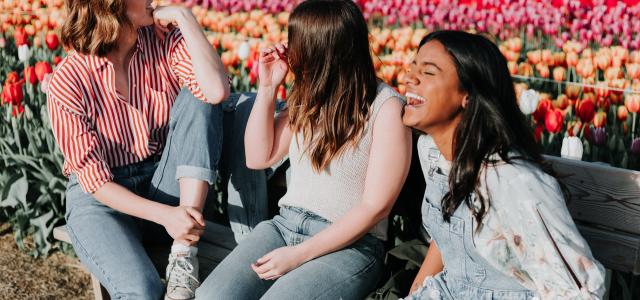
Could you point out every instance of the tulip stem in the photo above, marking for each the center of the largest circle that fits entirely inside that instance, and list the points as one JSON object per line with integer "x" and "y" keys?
{"x": 633, "y": 127}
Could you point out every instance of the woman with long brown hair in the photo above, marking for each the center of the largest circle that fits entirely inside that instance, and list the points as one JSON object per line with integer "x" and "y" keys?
{"x": 140, "y": 152}
{"x": 349, "y": 155}
{"x": 496, "y": 215}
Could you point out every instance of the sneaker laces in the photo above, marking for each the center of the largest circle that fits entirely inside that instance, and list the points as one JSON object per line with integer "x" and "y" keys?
{"x": 180, "y": 270}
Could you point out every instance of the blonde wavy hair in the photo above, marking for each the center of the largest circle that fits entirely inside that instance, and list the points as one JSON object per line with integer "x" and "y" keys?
{"x": 92, "y": 26}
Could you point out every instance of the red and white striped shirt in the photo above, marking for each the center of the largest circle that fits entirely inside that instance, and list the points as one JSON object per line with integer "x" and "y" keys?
{"x": 94, "y": 125}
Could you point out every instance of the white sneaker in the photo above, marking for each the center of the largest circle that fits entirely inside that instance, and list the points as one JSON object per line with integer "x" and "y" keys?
{"x": 182, "y": 276}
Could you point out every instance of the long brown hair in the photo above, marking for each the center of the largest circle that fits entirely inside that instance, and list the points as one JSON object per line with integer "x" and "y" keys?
{"x": 335, "y": 80}
{"x": 92, "y": 26}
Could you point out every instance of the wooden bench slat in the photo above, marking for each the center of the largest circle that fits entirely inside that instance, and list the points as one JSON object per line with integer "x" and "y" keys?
{"x": 615, "y": 250}
{"x": 601, "y": 195}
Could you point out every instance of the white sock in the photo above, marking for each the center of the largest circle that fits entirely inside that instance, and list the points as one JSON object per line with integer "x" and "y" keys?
{"x": 175, "y": 248}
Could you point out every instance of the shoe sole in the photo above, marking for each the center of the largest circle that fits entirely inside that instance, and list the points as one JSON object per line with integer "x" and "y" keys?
{"x": 169, "y": 298}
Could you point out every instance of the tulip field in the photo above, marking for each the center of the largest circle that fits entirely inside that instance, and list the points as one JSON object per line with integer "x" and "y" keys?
{"x": 575, "y": 64}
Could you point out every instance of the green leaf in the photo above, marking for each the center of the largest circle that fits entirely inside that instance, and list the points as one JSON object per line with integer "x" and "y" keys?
{"x": 17, "y": 194}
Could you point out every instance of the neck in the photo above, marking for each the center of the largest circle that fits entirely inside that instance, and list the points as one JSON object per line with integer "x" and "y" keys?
{"x": 443, "y": 137}
{"x": 127, "y": 40}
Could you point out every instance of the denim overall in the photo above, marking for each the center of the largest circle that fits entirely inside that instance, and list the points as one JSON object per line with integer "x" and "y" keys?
{"x": 466, "y": 274}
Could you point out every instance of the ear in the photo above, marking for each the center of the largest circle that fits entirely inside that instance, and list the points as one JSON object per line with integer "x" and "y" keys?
{"x": 465, "y": 101}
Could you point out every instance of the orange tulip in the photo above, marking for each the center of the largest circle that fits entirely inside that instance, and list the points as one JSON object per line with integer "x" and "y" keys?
{"x": 634, "y": 57}
{"x": 623, "y": 113}
{"x": 603, "y": 61}
{"x": 613, "y": 73}
{"x": 562, "y": 102}
{"x": 543, "y": 70}
{"x": 514, "y": 44}
{"x": 588, "y": 82}
{"x": 559, "y": 58}
{"x": 600, "y": 119}
{"x": 572, "y": 91}
{"x": 633, "y": 70}
{"x": 602, "y": 89}
{"x": 559, "y": 74}
{"x": 572, "y": 59}
{"x": 534, "y": 56}
{"x": 620, "y": 53}
{"x": 632, "y": 102}
{"x": 547, "y": 57}
{"x": 525, "y": 69}
{"x": 513, "y": 67}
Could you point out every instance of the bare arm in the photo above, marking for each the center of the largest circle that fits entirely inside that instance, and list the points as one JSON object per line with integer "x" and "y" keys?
{"x": 182, "y": 223}
{"x": 431, "y": 265}
{"x": 209, "y": 70}
{"x": 389, "y": 160}
{"x": 266, "y": 138}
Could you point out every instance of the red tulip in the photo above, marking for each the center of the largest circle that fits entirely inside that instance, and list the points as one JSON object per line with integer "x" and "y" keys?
{"x": 51, "y": 39}
{"x": 42, "y": 68}
{"x": 537, "y": 133}
{"x": 543, "y": 106}
{"x": 12, "y": 77}
{"x": 282, "y": 92}
{"x": 20, "y": 36}
{"x": 554, "y": 121}
{"x": 17, "y": 110}
{"x": 30, "y": 75}
{"x": 585, "y": 110}
{"x": 56, "y": 60}
{"x": 12, "y": 93}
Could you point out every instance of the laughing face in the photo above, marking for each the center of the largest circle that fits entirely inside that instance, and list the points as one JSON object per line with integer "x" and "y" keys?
{"x": 435, "y": 100}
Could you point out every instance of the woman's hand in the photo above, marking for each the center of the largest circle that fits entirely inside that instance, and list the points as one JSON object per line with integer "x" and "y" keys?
{"x": 184, "y": 224}
{"x": 273, "y": 66}
{"x": 165, "y": 17}
{"x": 278, "y": 262}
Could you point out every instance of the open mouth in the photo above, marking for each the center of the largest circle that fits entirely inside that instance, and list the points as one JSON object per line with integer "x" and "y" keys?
{"x": 414, "y": 99}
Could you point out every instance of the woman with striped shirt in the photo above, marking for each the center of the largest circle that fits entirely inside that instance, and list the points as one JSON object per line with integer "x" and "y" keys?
{"x": 139, "y": 151}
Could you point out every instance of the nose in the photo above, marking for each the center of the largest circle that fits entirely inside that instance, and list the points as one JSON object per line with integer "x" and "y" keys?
{"x": 410, "y": 77}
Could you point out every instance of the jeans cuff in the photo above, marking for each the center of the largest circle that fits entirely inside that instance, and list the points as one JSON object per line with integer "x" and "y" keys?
{"x": 203, "y": 174}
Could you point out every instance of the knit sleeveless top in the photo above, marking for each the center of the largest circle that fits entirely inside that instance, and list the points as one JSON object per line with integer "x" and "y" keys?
{"x": 331, "y": 193}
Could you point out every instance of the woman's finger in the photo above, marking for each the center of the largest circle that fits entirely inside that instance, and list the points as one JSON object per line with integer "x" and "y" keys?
{"x": 271, "y": 275}
{"x": 197, "y": 232}
{"x": 261, "y": 269}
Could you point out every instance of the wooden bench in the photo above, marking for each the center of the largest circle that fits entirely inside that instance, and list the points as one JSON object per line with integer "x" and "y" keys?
{"x": 605, "y": 204}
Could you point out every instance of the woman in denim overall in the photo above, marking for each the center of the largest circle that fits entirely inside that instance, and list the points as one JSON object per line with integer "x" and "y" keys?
{"x": 497, "y": 218}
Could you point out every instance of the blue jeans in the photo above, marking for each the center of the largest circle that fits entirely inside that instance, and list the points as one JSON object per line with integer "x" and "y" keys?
{"x": 350, "y": 273}
{"x": 110, "y": 243}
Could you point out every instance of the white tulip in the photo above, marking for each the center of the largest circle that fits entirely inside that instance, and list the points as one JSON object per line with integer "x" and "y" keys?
{"x": 528, "y": 101}
{"x": 243, "y": 51}
{"x": 571, "y": 148}
{"x": 24, "y": 53}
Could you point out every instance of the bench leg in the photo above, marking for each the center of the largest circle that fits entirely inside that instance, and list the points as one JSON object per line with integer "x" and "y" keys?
{"x": 99, "y": 292}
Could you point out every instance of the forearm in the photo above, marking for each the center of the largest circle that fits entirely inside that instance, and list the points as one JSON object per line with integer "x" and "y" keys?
{"x": 431, "y": 266}
{"x": 259, "y": 134}
{"x": 121, "y": 199}
{"x": 348, "y": 229}
{"x": 208, "y": 68}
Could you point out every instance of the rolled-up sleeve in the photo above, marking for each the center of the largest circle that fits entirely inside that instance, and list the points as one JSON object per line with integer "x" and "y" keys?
{"x": 180, "y": 62}
{"x": 77, "y": 141}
